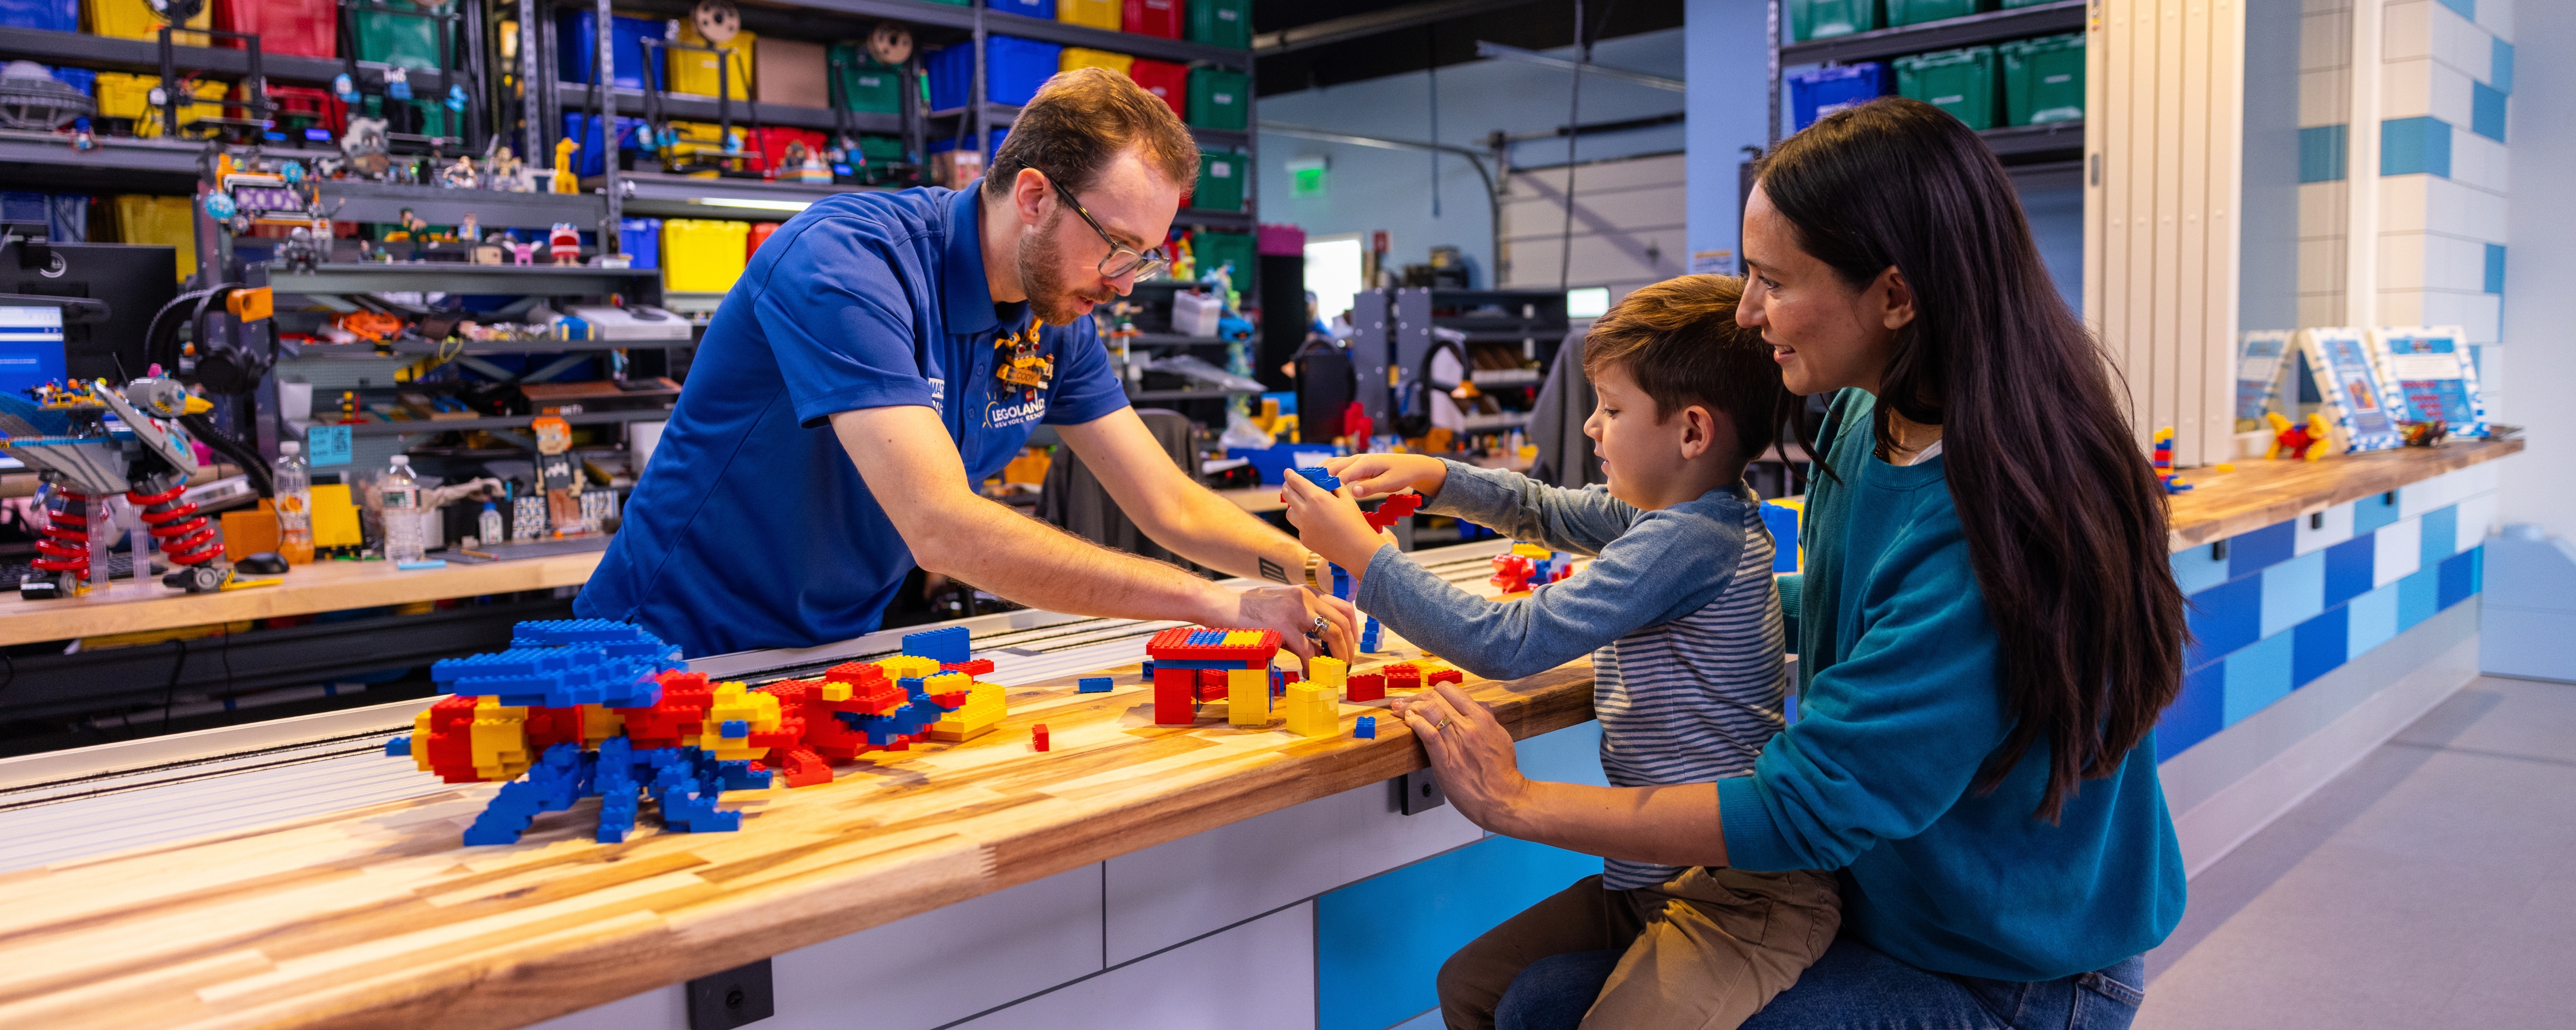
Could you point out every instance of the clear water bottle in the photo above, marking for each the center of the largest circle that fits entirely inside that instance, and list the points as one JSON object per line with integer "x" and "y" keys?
{"x": 294, "y": 501}
{"x": 401, "y": 493}
{"x": 489, "y": 525}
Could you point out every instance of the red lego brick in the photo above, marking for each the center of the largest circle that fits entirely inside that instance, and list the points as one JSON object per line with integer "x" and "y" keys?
{"x": 978, "y": 667}
{"x": 1211, "y": 684}
{"x": 1364, "y": 686}
{"x": 1176, "y": 697}
{"x": 1174, "y": 645}
{"x": 1391, "y": 509}
{"x": 801, "y": 767}
{"x": 1402, "y": 676}
{"x": 1038, "y": 737}
{"x": 1444, "y": 676}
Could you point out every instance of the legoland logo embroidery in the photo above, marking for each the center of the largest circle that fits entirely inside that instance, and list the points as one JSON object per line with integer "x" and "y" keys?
{"x": 998, "y": 416}
{"x": 939, "y": 396}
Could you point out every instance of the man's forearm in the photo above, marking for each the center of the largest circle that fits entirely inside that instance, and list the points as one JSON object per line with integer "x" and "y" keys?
{"x": 1212, "y": 531}
{"x": 1035, "y": 564}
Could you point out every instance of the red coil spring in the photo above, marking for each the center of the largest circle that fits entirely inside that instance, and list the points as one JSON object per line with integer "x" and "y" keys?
{"x": 64, "y": 546}
{"x": 183, "y": 534}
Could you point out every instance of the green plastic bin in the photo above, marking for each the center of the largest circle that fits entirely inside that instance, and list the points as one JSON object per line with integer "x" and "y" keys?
{"x": 1221, "y": 175}
{"x": 2043, "y": 79}
{"x": 1211, "y": 248}
{"x": 1960, "y": 81}
{"x": 1225, "y": 23}
{"x": 865, "y": 84}
{"x": 1916, "y": 12}
{"x": 2007, "y": 4}
{"x": 1220, "y": 98}
{"x": 400, "y": 39}
{"x": 1823, "y": 19}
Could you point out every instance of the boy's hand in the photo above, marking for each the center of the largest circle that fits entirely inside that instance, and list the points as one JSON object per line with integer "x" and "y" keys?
{"x": 1368, "y": 475}
{"x": 1330, "y": 524}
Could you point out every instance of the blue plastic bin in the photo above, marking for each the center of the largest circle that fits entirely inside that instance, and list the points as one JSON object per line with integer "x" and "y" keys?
{"x": 1014, "y": 68}
{"x": 58, "y": 15}
{"x": 584, "y": 131}
{"x": 642, "y": 238}
{"x": 1024, "y": 8}
{"x": 577, "y": 43}
{"x": 81, "y": 79}
{"x": 992, "y": 149}
{"x": 1823, "y": 91}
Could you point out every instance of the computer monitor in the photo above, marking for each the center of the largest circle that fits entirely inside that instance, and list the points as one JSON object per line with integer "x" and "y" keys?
{"x": 134, "y": 279}
{"x": 31, "y": 346}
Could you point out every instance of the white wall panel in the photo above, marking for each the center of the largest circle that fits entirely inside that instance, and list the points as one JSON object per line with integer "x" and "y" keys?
{"x": 1258, "y": 976}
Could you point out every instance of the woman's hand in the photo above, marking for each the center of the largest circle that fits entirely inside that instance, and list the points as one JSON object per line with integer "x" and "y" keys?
{"x": 1368, "y": 475}
{"x": 1331, "y": 524}
{"x": 1470, "y": 752}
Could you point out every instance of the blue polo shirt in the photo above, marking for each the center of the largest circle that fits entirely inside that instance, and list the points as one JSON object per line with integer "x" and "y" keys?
{"x": 750, "y": 527}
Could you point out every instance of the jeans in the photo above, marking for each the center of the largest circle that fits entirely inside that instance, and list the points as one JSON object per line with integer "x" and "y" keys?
{"x": 1856, "y": 987}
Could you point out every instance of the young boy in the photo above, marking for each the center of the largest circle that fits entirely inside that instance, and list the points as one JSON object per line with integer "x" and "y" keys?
{"x": 1679, "y": 610}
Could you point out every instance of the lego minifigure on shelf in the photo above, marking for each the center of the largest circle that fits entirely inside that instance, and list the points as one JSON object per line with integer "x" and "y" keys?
{"x": 565, "y": 181}
{"x": 564, "y": 244}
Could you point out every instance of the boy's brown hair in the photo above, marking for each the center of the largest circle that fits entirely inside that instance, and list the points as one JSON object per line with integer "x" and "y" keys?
{"x": 1082, "y": 119}
{"x": 1679, "y": 341}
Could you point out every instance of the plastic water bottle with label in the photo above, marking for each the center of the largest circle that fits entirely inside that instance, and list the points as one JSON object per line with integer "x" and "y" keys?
{"x": 489, "y": 525}
{"x": 402, "y": 511}
{"x": 293, "y": 490}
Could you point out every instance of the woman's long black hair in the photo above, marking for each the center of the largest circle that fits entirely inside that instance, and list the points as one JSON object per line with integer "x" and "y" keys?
{"x": 2065, "y": 519}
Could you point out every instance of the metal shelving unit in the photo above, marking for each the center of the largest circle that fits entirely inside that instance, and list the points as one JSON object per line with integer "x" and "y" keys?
{"x": 536, "y": 280}
{"x": 2052, "y": 149}
{"x": 416, "y": 427}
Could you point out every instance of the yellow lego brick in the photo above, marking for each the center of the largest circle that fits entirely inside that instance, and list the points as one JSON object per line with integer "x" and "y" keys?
{"x": 1531, "y": 550}
{"x": 1312, "y": 710}
{"x": 985, "y": 705}
{"x": 599, "y": 724}
{"x": 948, "y": 683}
{"x": 1331, "y": 674}
{"x": 1247, "y": 697}
{"x": 1243, "y": 638}
{"x": 420, "y": 741}
{"x": 499, "y": 738}
{"x": 734, "y": 701}
{"x": 833, "y": 691}
{"x": 909, "y": 667}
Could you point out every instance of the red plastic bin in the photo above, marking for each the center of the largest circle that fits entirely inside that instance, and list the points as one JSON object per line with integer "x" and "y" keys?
{"x": 308, "y": 28}
{"x": 759, "y": 234}
{"x": 1164, "y": 79}
{"x": 771, "y": 141}
{"x": 1153, "y": 18}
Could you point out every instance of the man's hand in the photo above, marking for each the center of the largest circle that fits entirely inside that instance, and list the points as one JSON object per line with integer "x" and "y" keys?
{"x": 1330, "y": 524}
{"x": 1295, "y": 613}
{"x": 1368, "y": 475}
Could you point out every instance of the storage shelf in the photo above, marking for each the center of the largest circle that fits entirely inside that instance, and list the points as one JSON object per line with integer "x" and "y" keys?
{"x": 695, "y": 108}
{"x": 2050, "y": 137}
{"x": 1187, "y": 395}
{"x": 419, "y": 427}
{"x": 367, "y": 351}
{"x": 681, "y": 196}
{"x": 31, "y": 160}
{"x": 363, "y": 201}
{"x": 1213, "y": 219}
{"x": 547, "y": 280}
{"x": 1176, "y": 340}
{"x": 1129, "y": 43}
{"x": 1005, "y": 114}
{"x": 1989, "y": 27}
{"x": 143, "y": 56}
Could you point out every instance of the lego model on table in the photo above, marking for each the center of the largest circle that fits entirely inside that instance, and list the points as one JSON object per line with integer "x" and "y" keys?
{"x": 1528, "y": 566}
{"x": 1180, "y": 654}
{"x": 590, "y": 707}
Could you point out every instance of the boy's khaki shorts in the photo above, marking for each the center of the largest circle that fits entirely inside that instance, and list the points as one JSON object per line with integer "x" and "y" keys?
{"x": 1703, "y": 951}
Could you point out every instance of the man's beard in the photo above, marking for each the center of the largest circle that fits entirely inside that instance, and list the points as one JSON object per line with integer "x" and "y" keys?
{"x": 1040, "y": 259}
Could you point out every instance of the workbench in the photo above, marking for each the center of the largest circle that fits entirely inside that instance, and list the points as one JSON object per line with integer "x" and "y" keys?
{"x": 127, "y": 605}
{"x": 289, "y": 875}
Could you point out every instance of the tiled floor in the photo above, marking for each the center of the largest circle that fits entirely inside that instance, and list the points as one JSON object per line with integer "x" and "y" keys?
{"x": 2432, "y": 885}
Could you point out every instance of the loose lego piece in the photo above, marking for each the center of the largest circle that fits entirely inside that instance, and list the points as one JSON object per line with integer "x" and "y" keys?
{"x": 1367, "y": 728}
{"x": 1247, "y": 700}
{"x": 1368, "y": 636}
{"x": 1092, "y": 685}
{"x": 1365, "y": 686}
{"x": 1149, "y": 670}
{"x": 1311, "y": 710}
{"x": 1038, "y": 737}
{"x": 946, "y": 644}
{"x": 1316, "y": 475}
{"x": 1388, "y": 511}
{"x": 1402, "y": 676}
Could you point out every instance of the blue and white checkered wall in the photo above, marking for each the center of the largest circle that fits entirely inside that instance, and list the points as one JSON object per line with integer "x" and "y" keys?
{"x": 2274, "y": 609}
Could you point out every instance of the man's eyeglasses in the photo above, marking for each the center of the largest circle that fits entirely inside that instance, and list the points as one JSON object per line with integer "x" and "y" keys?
{"x": 1123, "y": 260}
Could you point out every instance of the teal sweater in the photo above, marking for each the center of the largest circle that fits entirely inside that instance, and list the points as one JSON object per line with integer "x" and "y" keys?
{"x": 1899, "y": 706}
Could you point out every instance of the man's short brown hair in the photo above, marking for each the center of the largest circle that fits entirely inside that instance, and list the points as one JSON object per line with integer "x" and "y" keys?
{"x": 1081, "y": 120}
{"x": 1679, "y": 341}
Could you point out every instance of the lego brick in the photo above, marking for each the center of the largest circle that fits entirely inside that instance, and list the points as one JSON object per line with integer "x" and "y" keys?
{"x": 1366, "y": 686}
{"x": 1092, "y": 685}
{"x": 947, "y": 644}
{"x": 1175, "y": 697}
{"x": 1247, "y": 701}
{"x": 1321, "y": 478}
{"x": 1402, "y": 676}
{"x": 1213, "y": 683}
{"x": 1329, "y": 673}
{"x": 1366, "y": 728}
{"x": 1038, "y": 737}
{"x": 1311, "y": 711}
{"x": 977, "y": 667}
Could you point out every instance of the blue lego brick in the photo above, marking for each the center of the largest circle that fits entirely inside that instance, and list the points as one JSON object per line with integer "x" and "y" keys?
{"x": 1366, "y": 729}
{"x": 398, "y": 746}
{"x": 1341, "y": 581}
{"x": 2318, "y": 646}
{"x": 2459, "y": 577}
{"x": 2370, "y": 513}
{"x": 2258, "y": 676}
{"x": 2223, "y": 620}
{"x": 1092, "y": 685}
{"x": 1149, "y": 670}
{"x": 1319, "y": 477}
{"x": 2249, "y": 553}
{"x": 2348, "y": 569}
{"x": 1206, "y": 637}
{"x": 734, "y": 728}
{"x": 2200, "y": 710}
{"x": 2294, "y": 591}
{"x": 2441, "y": 536}
{"x": 946, "y": 644}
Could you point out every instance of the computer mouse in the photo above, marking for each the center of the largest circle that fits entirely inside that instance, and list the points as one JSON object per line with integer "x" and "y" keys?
{"x": 265, "y": 563}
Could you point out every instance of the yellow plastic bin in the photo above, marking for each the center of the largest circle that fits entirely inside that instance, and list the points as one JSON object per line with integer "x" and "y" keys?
{"x": 703, "y": 255}
{"x": 694, "y": 71}
{"x": 1099, "y": 14}
{"x": 130, "y": 96}
{"x": 1081, "y": 57}
{"x": 166, "y": 221}
{"x": 134, "y": 19}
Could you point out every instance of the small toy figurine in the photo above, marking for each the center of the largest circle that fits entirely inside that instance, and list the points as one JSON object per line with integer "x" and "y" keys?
{"x": 301, "y": 251}
{"x": 2310, "y": 441}
{"x": 461, "y": 175}
{"x": 349, "y": 407}
{"x": 2425, "y": 434}
{"x": 564, "y": 244}
{"x": 82, "y": 138}
{"x": 565, "y": 181}
{"x": 558, "y": 475}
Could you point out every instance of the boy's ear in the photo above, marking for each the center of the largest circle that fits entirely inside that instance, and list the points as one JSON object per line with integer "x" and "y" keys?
{"x": 1703, "y": 432}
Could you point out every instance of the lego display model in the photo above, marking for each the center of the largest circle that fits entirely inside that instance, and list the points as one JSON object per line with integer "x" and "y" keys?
{"x": 83, "y": 459}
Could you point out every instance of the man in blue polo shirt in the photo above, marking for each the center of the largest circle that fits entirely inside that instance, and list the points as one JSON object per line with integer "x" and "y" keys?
{"x": 885, "y": 352}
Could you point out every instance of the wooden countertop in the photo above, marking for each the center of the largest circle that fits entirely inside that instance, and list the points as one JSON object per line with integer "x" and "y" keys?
{"x": 378, "y": 917}
{"x": 129, "y": 606}
{"x": 2260, "y": 493}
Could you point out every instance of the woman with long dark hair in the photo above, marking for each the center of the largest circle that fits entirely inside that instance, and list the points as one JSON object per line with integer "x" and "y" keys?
{"x": 1986, "y": 632}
